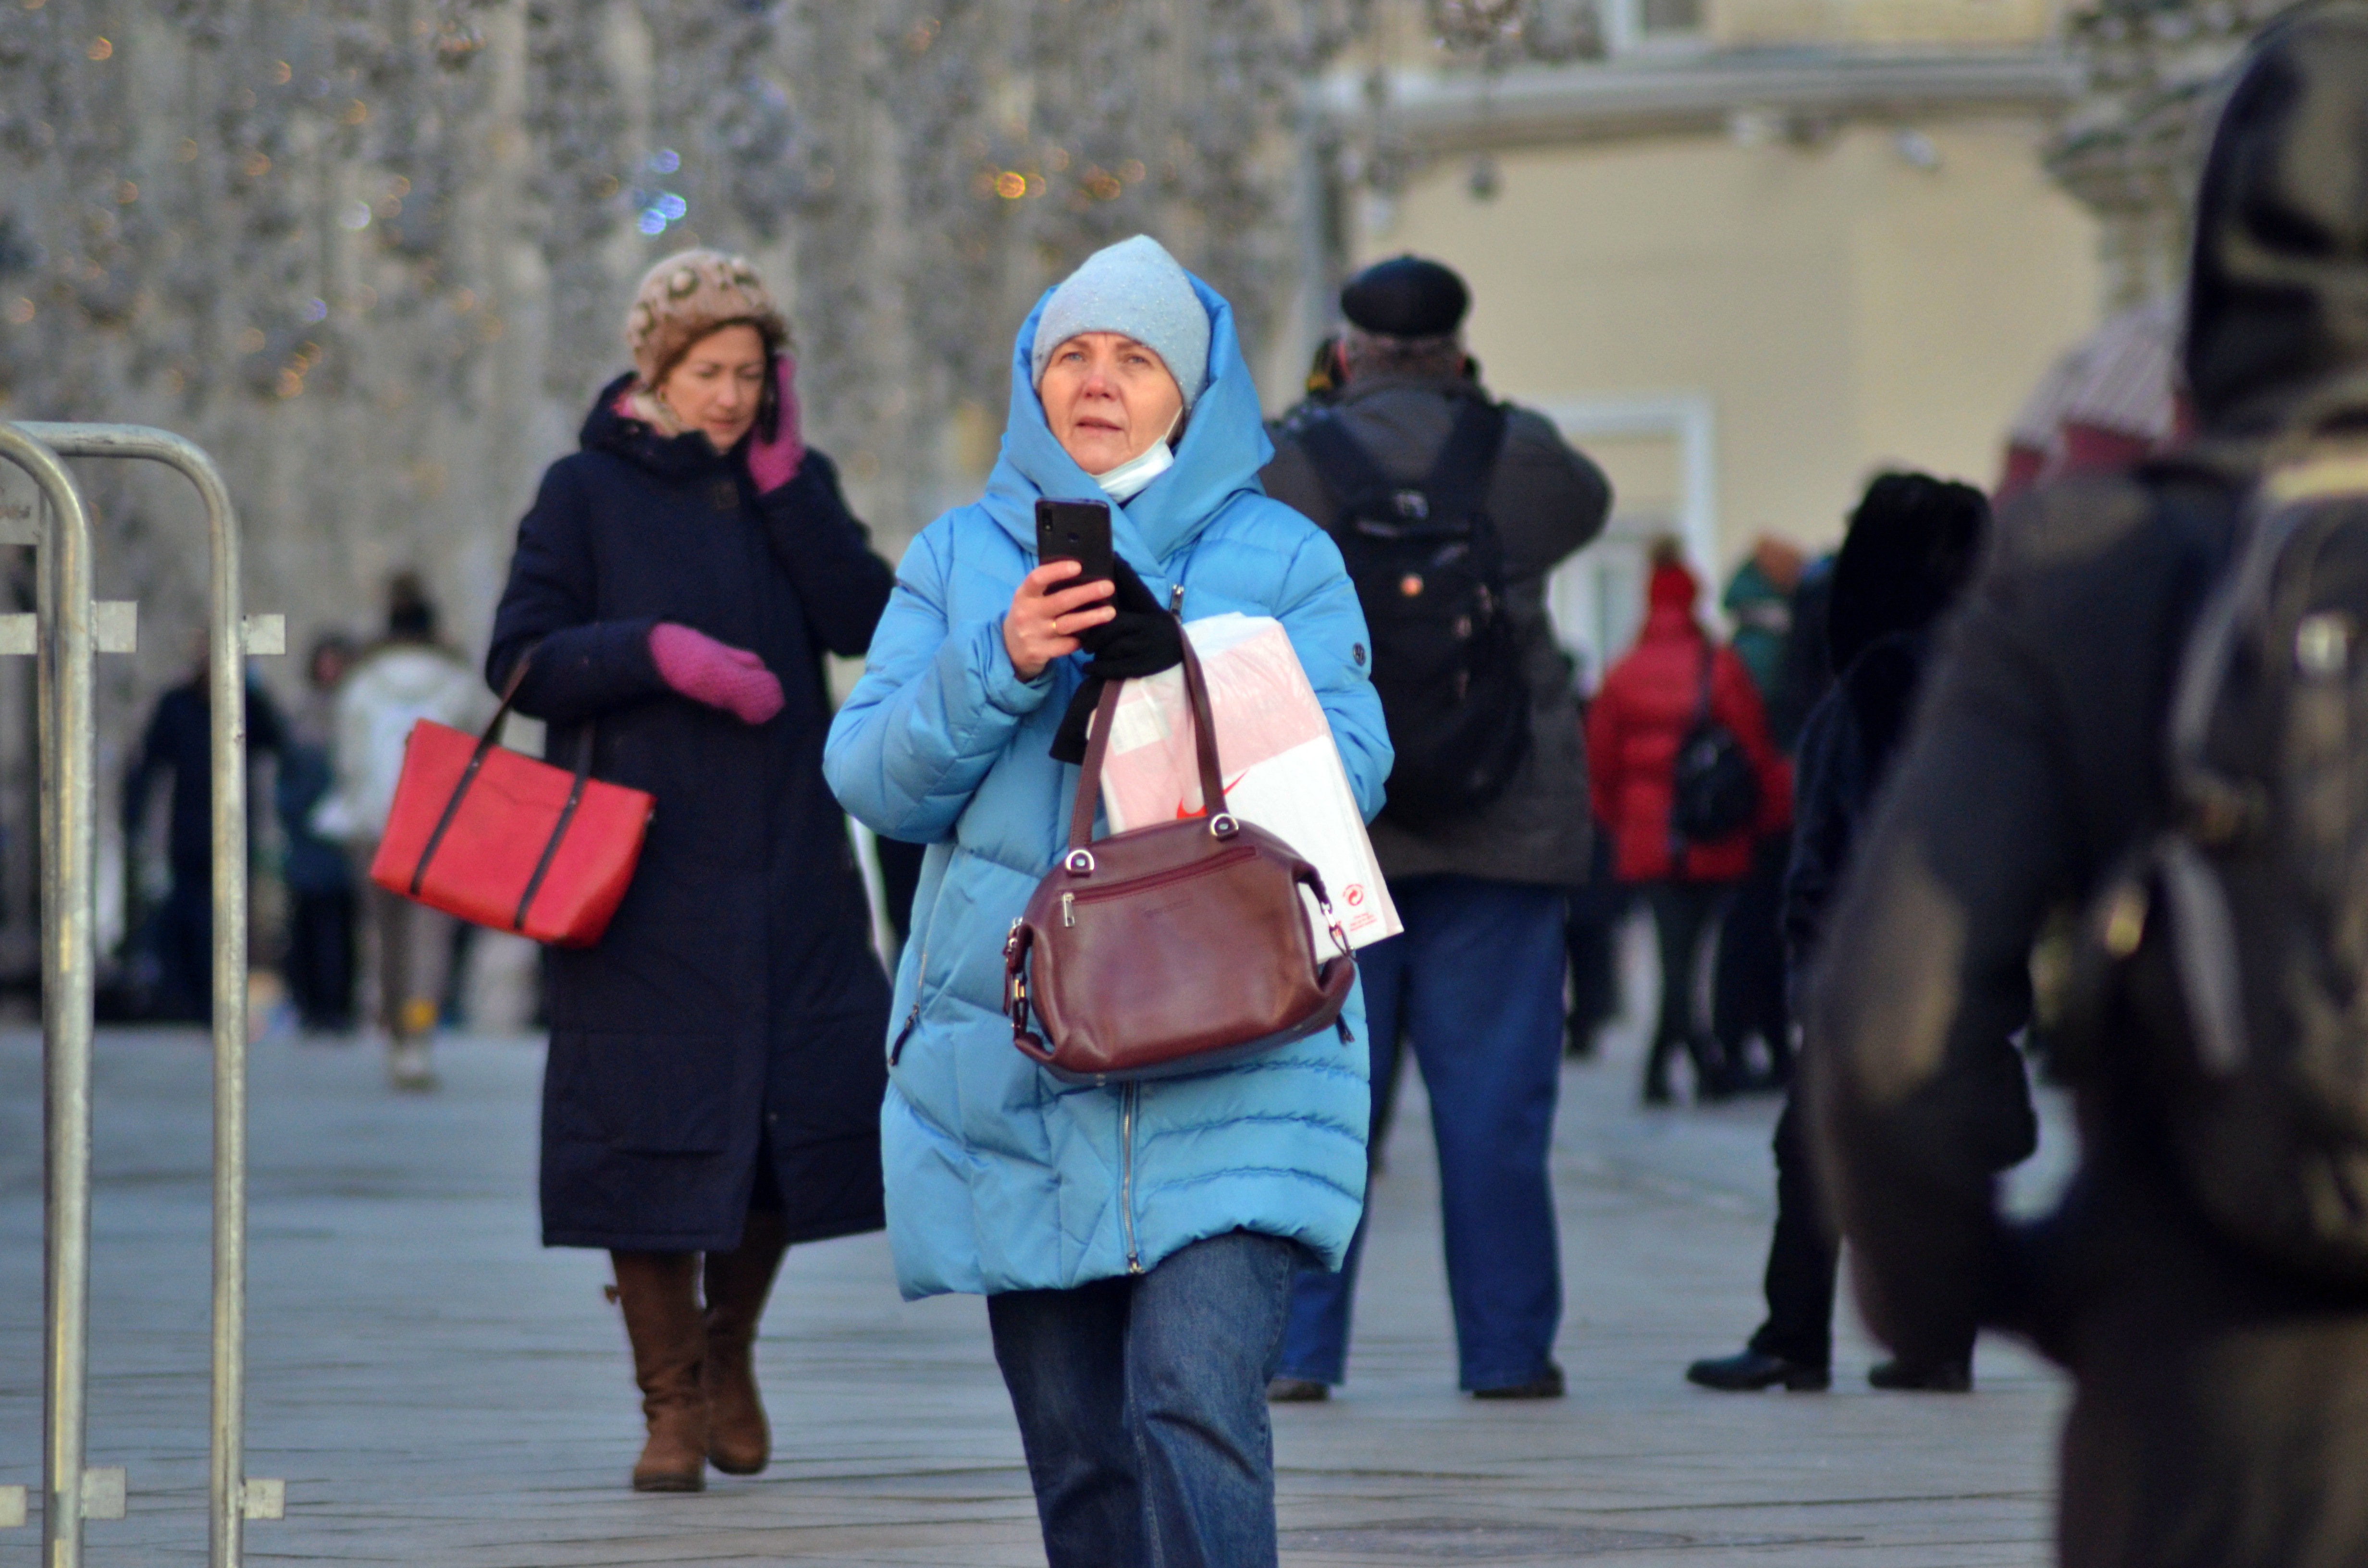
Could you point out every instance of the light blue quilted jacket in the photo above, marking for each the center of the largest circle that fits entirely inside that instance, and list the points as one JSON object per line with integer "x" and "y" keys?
{"x": 999, "y": 1177}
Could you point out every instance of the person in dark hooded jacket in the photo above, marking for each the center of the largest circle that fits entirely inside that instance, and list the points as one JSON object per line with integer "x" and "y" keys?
{"x": 715, "y": 1072}
{"x": 1910, "y": 549}
{"x": 2219, "y": 1418}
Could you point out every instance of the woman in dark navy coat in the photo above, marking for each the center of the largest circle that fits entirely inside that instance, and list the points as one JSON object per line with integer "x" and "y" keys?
{"x": 715, "y": 1071}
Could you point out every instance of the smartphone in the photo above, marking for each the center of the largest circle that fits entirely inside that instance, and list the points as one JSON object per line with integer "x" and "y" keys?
{"x": 1079, "y": 531}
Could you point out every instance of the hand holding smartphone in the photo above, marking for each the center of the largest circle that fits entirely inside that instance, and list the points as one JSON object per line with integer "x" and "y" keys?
{"x": 1078, "y": 531}
{"x": 1046, "y": 618}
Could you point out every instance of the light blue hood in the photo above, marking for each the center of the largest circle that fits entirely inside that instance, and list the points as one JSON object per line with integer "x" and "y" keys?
{"x": 999, "y": 1178}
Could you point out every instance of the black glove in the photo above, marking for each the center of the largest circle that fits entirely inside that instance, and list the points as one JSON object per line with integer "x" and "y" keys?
{"x": 1141, "y": 639}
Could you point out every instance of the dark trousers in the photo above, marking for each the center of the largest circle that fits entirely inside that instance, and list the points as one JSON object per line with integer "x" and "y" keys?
{"x": 1748, "y": 988}
{"x": 182, "y": 930}
{"x": 1803, "y": 1256}
{"x": 1476, "y": 979}
{"x": 1590, "y": 925}
{"x": 320, "y": 957}
{"x": 1142, "y": 1405}
{"x": 1682, "y": 915}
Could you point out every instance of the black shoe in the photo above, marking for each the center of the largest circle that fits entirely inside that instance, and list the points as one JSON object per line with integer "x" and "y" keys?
{"x": 1297, "y": 1390}
{"x": 1656, "y": 1092}
{"x": 1546, "y": 1384}
{"x": 1939, "y": 1377}
{"x": 1749, "y": 1371}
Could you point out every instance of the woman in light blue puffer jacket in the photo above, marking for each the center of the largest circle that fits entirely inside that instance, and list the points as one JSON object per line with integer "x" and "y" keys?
{"x": 1134, "y": 1243}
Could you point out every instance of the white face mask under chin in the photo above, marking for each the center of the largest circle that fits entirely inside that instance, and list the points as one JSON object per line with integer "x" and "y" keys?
{"x": 1124, "y": 483}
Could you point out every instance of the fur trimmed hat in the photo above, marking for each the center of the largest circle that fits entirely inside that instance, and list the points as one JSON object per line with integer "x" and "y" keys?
{"x": 689, "y": 295}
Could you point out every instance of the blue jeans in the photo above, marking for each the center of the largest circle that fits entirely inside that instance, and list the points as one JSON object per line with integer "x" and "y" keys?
{"x": 1475, "y": 978}
{"x": 1142, "y": 1405}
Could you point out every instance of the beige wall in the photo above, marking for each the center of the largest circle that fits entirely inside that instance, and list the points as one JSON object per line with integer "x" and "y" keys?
{"x": 1841, "y": 308}
{"x": 1762, "y": 22}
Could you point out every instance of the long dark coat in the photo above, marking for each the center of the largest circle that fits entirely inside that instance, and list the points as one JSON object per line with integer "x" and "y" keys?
{"x": 734, "y": 1004}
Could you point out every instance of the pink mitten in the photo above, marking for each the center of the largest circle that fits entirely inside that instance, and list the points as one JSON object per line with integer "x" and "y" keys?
{"x": 774, "y": 464}
{"x": 706, "y": 671}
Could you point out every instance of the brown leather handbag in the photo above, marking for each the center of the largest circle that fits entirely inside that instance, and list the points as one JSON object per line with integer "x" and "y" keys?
{"x": 1174, "y": 948}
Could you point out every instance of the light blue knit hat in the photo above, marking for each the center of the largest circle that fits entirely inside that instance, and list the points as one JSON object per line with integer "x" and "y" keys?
{"x": 1136, "y": 287}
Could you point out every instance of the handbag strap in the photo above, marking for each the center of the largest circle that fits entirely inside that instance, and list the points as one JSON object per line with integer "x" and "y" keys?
{"x": 1204, "y": 745}
{"x": 486, "y": 740}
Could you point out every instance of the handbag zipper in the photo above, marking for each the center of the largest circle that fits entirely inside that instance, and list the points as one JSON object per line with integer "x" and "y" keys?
{"x": 1127, "y": 1097}
{"x": 1156, "y": 880}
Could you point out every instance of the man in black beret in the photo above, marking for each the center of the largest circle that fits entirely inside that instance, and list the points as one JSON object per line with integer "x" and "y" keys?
{"x": 1451, "y": 509}
{"x": 1406, "y": 297}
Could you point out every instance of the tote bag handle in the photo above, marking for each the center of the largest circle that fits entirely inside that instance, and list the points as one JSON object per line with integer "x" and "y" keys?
{"x": 485, "y": 743}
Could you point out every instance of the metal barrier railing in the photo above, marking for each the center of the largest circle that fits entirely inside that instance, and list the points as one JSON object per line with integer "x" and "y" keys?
{"x": 64, "y": 633}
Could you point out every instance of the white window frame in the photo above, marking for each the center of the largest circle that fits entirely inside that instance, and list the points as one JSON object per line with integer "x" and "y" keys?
{"x": 1623, "y": 31}
{"x": 1588, "y": 595}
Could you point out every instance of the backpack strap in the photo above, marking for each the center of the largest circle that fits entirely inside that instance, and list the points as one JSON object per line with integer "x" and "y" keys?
{"x": 1341, "y": 462}
{"x": 1458, "y": 482}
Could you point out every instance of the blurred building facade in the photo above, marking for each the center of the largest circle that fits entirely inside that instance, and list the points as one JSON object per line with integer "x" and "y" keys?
{"x": 2132, "y": 149}
{"x": 375, "y": 255}
{"x": 373, "y": 252}
{"x": 1747, "y": 251}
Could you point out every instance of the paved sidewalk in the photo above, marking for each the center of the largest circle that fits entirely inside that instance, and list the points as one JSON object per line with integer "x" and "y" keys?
{"x": 436, "y": 1389}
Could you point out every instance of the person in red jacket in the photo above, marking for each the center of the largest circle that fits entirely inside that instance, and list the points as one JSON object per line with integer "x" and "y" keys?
{"x": 1648, "y": 702}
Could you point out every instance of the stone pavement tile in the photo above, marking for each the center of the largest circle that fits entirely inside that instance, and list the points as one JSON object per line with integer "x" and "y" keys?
{"x": 437, "y": 1388}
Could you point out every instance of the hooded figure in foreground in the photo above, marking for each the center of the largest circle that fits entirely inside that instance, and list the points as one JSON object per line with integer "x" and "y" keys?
{"x": 1136, "y": 1242}
{"x": 2221, "y": 1412}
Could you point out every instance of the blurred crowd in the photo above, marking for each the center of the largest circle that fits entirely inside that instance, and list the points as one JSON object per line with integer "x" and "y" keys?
{"x": 352, "y": 958}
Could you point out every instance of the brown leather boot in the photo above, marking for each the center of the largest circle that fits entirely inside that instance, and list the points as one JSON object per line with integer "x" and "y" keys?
{"x": 738, "y": 1442}
{"x": 659, "y": 1291}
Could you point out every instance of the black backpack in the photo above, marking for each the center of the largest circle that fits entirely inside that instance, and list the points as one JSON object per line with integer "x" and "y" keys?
{"x": 1430, "y": 574}
{"x": 2222, "y": 971}
{"x": 1715, "y": 792}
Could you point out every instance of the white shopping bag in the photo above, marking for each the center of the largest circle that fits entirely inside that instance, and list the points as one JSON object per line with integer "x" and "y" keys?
{"x": 1275, "y": 751}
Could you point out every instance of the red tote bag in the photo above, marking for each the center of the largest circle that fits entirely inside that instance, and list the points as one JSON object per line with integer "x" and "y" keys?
{"x": 503, "y": 840}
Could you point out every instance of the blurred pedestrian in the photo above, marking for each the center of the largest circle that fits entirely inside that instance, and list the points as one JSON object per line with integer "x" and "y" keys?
{"x": 1808, "y": 656}
{"x": 899, "y": 883}
{"x": 1674, "y": 686}
{"x": 1747, "y": 978}
{"x": 714, "y": 1076}
{"x": 178, "y": 938}
{"x": 407, "y": 675}
{"x": 1593, "y": 913}
{"x": 1910, "y": 549}
{"x": 1759, "y": 600}
{"x": 1327, "y": 374}
{"x": 1451, "y": 509}
{"x": 2105, "y": 405}
{"x": 319, "y": 874}
{"x": 1135, "y": 1241}
{"x": 2125, "y": 719}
